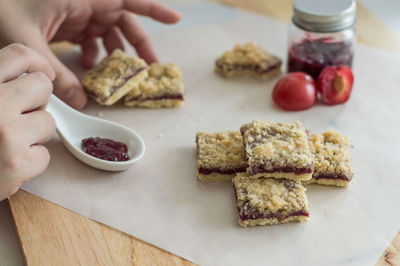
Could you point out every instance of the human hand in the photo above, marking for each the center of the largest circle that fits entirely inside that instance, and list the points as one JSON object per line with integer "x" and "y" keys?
{"x": 24, "y": 124}
{"x": 38, "y": 22}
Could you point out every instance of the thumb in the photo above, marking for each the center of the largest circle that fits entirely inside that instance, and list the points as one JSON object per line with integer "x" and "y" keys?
{"x": 66, "y": 85}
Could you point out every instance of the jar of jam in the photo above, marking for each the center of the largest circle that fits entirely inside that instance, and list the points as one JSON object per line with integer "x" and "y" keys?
{"x": 322, "y": 34}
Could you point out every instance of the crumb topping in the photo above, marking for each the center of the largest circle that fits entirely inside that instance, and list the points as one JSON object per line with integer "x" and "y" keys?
{"x": 163, "y": 79}
{"x": 249, "y": 54}
{"x": 112, "y": 72}
{"x": 221, "y": 150}
{"x": 331, "y": 154}
{"x": 270, "y": 145}
{"x": 268, "y": 196}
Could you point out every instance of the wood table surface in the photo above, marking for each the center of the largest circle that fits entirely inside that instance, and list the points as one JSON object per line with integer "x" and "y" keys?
{"x": 52, "y": 235}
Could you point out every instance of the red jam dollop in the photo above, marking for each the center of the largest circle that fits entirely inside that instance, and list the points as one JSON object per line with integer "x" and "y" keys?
{"x": 105, "y": 149}
{"x": 313, "y": 55}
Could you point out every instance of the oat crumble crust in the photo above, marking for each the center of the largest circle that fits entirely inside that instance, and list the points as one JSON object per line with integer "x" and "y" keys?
{"x": 220, "y": 150}
{"x": 164, "y": 80}
{"x": 215, "y": 178}
{"x": 114, "y": 77}
{"x": 250, "y": 59}
{"x": 269, "y": 201}
{"x": 273, "y": 145}
{"x": 331, "y": 157}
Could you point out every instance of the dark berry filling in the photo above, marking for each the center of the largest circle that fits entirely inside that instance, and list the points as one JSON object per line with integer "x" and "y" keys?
{"x": 333, "y": 177}
{"x": 248, "y": 212}
{"x": 256, "y": 169}
{"x": 313, "y": 55}
{"x": 209, "y": 171}
{"x": 105, "y": 149}
{"x": 163, "y": 97}
{"x": 255, "y": 68}
{"x": 280, "y": 217}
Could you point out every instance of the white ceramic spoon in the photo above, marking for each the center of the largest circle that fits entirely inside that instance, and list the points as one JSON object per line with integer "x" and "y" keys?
{"x": 73, "y": 126}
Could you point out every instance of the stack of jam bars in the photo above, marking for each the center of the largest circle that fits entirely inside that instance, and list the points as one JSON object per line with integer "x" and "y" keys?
{"x": 121, "y": 76}
{"x": 268, "y": 163}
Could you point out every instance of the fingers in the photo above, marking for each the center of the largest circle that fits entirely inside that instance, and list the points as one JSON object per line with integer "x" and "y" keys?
{"x": 112, "y": 40}
{"x": 66, "y": 85}
{"x": 19, "y": 168}
{"x": 154, "y": 10}
{"x": 29, "y": 92}
{"x": 16, "y": 59}
{"x": 36, "y": 127}
{"x": 90, "y": 51}
{"x": 37, "y": 160}
{"x": 136, "y": 35}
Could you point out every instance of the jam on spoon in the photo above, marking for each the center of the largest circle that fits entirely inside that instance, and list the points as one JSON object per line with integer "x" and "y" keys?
{"x": 105, "y": 149}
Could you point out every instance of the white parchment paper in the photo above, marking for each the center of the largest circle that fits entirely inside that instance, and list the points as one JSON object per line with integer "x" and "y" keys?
{"x": 160, "y": 200}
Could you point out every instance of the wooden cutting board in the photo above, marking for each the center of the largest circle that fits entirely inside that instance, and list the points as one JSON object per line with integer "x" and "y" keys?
{"x": 52, "y": 235}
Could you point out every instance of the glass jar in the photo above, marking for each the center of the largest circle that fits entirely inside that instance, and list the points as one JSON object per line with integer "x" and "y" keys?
{"x": 322, "y": 34}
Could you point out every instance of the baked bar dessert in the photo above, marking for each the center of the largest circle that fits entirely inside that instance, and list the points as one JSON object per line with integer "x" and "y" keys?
{"x": 162, "y": 88}
{"x": 331, "y": 157}
{"x": 269, "y": 201}
{"x": 275, "y": 149}
{"x": 248, "y": 59}
{"x": 114, "y": 77}
{"x": 219, "y": 156}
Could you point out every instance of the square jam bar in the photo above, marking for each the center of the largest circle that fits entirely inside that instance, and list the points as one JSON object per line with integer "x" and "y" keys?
{"x": 279, "y": 150}
{"x": 248, "y": 59}
{"x": 162, "y": 88}
{"x": 219, "y": 156}
{"x": 331, "y": 157}
{"x": 265, "y": 201}
{"x": 114, "y": 77}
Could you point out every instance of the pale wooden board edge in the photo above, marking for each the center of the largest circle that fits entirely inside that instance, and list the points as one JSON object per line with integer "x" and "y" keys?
{"x": 52, "y": 235}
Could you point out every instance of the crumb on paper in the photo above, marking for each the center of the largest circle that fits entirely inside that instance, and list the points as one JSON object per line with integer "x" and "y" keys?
{"x": 160, "y": 136}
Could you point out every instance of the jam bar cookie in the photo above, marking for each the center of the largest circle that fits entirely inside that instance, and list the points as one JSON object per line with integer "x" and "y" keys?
{"x": 219, "y": 156}
{"x": 275, "y": 149}
{"x": 269, "y": 201}
{"x": 248, "y": 59}
{"x": 162, "y": 88}
{"x": 114, "y": 77}
{"x": 331, "y": 157}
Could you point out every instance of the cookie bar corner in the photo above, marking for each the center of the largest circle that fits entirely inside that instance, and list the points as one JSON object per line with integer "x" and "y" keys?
{"x": 278, "y": 150}
{"x": 219, "y": 156}
{"x": 331, "y": 153}
{"x": 162, "y": 88}
{"x": 268, "y": 201}
{"x": 114, "y": 77}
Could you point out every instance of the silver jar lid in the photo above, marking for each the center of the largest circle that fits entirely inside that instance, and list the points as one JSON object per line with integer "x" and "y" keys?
{"x": 324, "y": 15}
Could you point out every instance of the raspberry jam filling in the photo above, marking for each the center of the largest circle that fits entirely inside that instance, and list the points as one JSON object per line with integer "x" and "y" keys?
{"x": 105, "y": 149}
{"x": 257, "y": 215}
{"x": 287, "y": 169}
{"x": 209, "y": 171}
{"x": 255, "y": 68}
{"x": 313, "y": 55}
{"x": 249, "y": 212}
{"x": 163, "y": 97}
{"x": 332, "y": 177}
